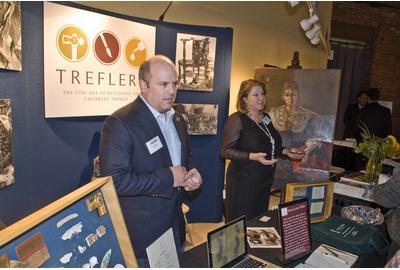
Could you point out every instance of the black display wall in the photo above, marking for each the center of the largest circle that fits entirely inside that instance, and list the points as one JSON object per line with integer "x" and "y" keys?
{"x": 53, "y": 157}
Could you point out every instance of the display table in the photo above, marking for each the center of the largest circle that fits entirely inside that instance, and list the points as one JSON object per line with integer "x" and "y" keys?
{"x": 197, "y": 257}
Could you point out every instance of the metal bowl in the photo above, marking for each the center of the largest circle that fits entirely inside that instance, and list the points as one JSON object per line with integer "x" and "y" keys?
{"x": 363, "y": 214}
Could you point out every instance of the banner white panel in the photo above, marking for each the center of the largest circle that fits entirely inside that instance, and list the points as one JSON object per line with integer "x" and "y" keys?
{"x": 91, "y": 61}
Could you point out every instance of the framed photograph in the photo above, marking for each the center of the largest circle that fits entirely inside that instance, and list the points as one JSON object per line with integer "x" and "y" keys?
{"x": 201, "y": 119}
{"x": 10, "y": 35}
{"x": 84, "y": 229}
{"x": 263, "y": 237}
{"x": 6, "y": 158}
{"x": 319, "y": 195}
{"x": 195, "y": 58}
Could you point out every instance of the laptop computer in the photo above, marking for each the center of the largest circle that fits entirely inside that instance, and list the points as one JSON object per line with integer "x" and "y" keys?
{"x": 227, "y": 247}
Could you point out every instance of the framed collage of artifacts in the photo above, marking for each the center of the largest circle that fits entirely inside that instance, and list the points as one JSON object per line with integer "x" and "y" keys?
{"x": 319, "y": 195}
{"x": 82, "y": 229}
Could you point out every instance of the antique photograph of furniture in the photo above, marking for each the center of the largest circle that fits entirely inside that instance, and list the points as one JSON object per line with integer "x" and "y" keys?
{"x": 195, "y": 57}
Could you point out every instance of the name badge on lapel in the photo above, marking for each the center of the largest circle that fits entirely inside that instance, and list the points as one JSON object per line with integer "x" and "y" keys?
{"x": 266, "y": 120}
{"x": 154, "y": 145}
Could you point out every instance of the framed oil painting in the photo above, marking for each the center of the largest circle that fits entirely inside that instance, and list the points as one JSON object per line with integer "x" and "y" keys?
{"x": 302, "y": 104}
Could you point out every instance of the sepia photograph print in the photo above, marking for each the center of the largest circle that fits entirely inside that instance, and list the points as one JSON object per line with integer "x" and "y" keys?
{"x": 266, "y": 237}
{"x": 195, "y": 58}
{"x": 10, "y": 35}
{"x": 201, "y": 119}
{"x": 6, "y": 161}
{"x": 302, "y": 105}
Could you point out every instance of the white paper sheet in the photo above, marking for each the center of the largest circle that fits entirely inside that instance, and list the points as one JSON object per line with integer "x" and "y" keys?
{"x": 162, "y": 252}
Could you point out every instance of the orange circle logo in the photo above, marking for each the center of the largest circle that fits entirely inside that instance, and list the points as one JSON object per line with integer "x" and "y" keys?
{"x": 72, "y": 43}
{"x": 106, "y": 47}
{"x": 135, "y": 52}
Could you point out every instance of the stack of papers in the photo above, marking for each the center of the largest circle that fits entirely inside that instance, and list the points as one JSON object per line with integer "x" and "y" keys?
{"x": 354, "y": 185}
{"x": 329, "y": 257}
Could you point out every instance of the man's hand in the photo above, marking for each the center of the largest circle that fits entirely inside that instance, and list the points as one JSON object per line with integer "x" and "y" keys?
{"x": 193, "y": 180}
{"x": 179, "y": 173}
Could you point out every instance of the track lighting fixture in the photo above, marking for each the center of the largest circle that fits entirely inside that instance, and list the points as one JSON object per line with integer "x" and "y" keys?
{"x": 316, "y": 39}
{"x": 293, "y": 3}
{"x": 310, "y": 25}
{"x": 310, "y": 34}
{"x": 307, "y": 23}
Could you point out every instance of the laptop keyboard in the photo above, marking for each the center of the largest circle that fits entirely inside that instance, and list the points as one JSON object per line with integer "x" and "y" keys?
{"x": 250, "y": 263}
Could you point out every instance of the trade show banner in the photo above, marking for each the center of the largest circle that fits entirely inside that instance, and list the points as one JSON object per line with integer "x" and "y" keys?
{"x": 91, "y": 61}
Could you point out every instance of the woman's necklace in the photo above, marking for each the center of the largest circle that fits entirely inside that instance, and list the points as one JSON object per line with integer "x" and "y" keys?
{"x": 266, "y": 132}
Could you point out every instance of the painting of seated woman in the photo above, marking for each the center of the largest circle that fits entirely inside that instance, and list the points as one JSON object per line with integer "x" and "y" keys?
{"x": 302, "y": 105}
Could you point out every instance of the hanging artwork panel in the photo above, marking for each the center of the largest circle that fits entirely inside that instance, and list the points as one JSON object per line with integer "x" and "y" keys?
{"x": 195, "y": 61}
{"x": 6, "y": 158}
{"x": 10, "y": 35}
{"x": 201, "y": 119}
{"x": 302, "y": 104}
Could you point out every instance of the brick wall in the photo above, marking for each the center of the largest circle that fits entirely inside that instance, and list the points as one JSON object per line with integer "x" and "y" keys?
{"x": 383, "y": 68}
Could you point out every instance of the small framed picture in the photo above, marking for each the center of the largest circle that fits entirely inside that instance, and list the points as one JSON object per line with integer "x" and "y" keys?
{"x": 319, "y": 195}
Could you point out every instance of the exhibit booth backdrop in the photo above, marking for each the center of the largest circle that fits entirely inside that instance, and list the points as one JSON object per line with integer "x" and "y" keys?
{"x": 53, "y": 157}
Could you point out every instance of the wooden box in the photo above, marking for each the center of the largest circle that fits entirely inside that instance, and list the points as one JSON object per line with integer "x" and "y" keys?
{"x": 82, "y": 229}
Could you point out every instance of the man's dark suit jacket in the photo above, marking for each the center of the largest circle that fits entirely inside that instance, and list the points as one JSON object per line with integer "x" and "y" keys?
{"x": 351, "y": 121}
{"x": 144, "y": 183}
{"x": 378, "y": 119}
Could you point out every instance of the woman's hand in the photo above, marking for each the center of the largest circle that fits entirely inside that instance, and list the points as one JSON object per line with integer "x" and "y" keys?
{"x": 261, "y": 157}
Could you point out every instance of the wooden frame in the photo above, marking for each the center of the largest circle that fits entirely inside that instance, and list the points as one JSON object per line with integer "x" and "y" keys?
{"x": 319, "y": 195}
{"x": 106, "y": 187}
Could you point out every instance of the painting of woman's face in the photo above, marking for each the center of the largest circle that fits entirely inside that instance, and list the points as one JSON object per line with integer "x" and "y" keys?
{"x": 290, "y": 97}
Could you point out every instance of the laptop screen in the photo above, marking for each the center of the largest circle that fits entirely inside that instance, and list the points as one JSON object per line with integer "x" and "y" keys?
{"x": 227, "y": 244}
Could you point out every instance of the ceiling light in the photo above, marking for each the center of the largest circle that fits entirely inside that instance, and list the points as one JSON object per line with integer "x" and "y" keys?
{"x": 316, "y": 39}
{"x": 310, "y": 34}
{"x": 307, "y": 23}
{"x": 293, "y": 3}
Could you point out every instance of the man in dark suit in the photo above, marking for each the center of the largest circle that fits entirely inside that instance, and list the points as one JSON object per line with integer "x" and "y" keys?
{"x": 144, "y": 147}
{"x": 376, "y": 117}
{"x": 352, "y": 115}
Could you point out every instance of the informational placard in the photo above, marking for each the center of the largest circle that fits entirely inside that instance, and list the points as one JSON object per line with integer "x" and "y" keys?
{"x": 91, "y": 61}
{"x": 295, "y": 229}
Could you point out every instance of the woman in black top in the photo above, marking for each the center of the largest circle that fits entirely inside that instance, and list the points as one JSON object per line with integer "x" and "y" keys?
{"x": 252, "y": 144}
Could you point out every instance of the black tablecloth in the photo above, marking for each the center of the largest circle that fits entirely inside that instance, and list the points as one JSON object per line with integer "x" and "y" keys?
{"x": 197, "y": 257}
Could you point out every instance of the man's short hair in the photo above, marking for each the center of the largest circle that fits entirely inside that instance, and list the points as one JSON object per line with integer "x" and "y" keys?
{"x": 362, "y": 93}
{"x": 145, "y": 67}
{"x": 373, "y": 93}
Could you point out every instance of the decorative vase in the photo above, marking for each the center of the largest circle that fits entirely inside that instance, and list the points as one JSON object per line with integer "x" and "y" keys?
{"x": 373, "y": 169}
